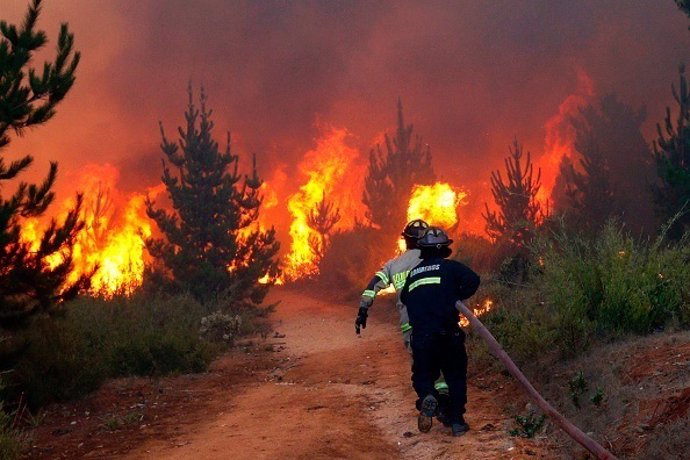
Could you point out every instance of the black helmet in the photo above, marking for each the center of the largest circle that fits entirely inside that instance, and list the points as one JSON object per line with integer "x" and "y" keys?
{"x": 434, "y": 237}
{"x": 415, "y": 229}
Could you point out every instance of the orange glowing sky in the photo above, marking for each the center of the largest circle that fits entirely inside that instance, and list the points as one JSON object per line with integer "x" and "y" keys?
{"x": 472, "y": 76}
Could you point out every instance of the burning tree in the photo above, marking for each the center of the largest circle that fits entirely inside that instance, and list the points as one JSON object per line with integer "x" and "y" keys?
{"x": 388, "y": 184}
{"x": 672, "y": 152}
{"x": 518, "y": 212}
{"x": 212, "y": 243}
{"x": 392, "y": 175}
{"x": 99, "y": 211}
{"x": 611, "y": 177}
{"x": 322, "y": 219}
{"x": 33, "y": 278}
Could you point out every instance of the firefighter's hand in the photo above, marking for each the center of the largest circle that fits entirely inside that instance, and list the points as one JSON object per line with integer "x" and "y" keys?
{"x": 361, "y": 320}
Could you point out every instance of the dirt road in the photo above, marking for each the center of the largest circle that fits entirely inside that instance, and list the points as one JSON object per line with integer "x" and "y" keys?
{"x": 333, "y": 395}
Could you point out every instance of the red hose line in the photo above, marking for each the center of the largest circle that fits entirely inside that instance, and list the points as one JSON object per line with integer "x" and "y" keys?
{"x": 572, "y": 431}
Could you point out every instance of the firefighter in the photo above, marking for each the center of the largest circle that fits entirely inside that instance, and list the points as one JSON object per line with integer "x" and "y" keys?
{"x": 394, "y": 272}
{"x": 430, "y": 294}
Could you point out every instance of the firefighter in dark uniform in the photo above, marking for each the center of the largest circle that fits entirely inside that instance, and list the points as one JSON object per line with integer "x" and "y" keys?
{"x": 431, "y": 292}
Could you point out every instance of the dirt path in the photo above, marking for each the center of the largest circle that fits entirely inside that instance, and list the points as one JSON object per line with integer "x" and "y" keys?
{"x": 333, "y": 395}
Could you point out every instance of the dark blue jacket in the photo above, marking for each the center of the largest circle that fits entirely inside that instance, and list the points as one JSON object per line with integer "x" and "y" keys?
{"x": 431, "y": 290}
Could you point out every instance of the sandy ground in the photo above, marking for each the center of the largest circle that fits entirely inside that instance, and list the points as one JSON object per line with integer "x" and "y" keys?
{"x": 334, "y": 395}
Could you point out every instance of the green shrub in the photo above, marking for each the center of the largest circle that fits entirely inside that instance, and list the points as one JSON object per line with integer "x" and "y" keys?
{"x": 10, "y": 444}
{"x": 58, "y": 363}
{"x": 71, "y": 355}
{"x": 577, "y": 386}
{"x": 614, "y": 285}
{"x": 526, "y": 426}
{"x": 519, "y": 320}
{"x": 597, "y": 397}
{"x": 220, "y": 328}
{"x": 581, "y": 290}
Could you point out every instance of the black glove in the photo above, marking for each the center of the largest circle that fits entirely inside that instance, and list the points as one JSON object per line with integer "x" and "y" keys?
{"x": 361, "y": 319}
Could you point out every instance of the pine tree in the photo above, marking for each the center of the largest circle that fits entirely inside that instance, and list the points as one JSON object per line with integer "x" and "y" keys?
{"x": 672, "y": 153}
{"x": 392, "y": 175}
{"x": 519, "y": 212}
{"x": 590, "y": 196}
{"x": 33, "y": 279}
{"x": 211, "y": 245}
{"x": 614, "y": 168}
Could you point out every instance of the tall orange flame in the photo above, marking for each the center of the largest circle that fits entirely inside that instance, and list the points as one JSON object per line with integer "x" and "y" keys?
{"x": 332, "y": 173}
{"x": 560, "y": 136}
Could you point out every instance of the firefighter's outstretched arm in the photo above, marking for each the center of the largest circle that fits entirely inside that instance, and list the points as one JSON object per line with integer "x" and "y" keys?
{"x": 378, "y": 282}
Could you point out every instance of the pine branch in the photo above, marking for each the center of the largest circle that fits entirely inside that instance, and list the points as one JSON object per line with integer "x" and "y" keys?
{"x": 515, "y": 196}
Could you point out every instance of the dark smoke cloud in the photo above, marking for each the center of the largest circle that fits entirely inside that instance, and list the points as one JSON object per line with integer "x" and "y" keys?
{"x": 472, "y": 75}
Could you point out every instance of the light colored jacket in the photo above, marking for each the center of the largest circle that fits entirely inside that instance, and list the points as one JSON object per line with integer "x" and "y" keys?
{"x": 394, "y": 272}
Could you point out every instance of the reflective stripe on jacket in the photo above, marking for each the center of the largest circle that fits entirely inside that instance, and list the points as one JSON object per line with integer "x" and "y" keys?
{"x": 394, "y": 272}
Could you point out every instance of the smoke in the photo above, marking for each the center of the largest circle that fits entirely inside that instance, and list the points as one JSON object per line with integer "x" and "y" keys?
{"x": 472, "y": 76}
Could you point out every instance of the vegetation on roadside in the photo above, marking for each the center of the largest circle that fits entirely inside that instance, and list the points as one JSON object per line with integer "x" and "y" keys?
{"x": 586, "y": 290}
{"x": 95, "y": 339}
{"x": 527, "y": 426}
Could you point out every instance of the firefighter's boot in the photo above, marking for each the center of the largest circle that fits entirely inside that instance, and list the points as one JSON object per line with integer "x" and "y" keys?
{"x": 426, "y": 413}
{"x": 459, "y": 428}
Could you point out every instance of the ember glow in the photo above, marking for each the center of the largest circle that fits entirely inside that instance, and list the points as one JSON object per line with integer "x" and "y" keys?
{"x": 331, "y": 173}
{"x": 478, "y": 312}
{"x": 437, "y": 204}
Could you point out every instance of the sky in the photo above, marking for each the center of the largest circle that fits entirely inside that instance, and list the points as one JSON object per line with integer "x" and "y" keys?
{"x": 472, "y": 75}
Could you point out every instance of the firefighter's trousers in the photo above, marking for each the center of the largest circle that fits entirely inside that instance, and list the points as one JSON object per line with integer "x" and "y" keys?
{"x": 441, "y": 352}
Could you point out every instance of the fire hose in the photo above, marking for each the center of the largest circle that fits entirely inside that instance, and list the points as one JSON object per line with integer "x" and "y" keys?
{"x": 574, "y": 432}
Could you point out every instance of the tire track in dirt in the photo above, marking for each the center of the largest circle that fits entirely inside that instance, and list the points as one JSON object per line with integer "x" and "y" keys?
{"x": 335, "y": 396}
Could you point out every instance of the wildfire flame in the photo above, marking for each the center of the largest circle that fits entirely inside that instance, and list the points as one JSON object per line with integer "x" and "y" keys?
{"x": 112, "y": 240}
{"x": 325, "y": 168}
{"x": 560, "y": 136}
{"x": 478, "y": 312}
{"x": 269, "y": 198}
{"x": 111, "y": 244}
{"x": 120, "y": 256}
{"x": 437, "y": 204}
